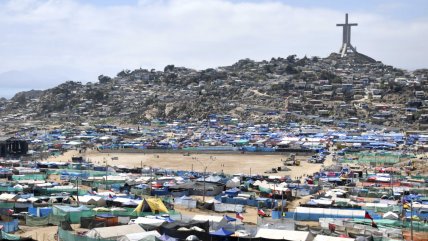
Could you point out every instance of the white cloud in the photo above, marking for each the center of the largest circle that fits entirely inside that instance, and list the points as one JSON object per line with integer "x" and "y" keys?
{"x": 191, "y": 33}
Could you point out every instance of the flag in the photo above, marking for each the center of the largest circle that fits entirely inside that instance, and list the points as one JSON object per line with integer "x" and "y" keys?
{"x": 367, "y": 215}
{"x": 374, "y": 225}
{"x": 239, "y": 216}
{"x": 261, "y": 213}
{"x": 332, "y": 227}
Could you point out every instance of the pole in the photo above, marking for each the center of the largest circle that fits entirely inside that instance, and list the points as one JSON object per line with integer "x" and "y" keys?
{"x": 250, "y": 172}
{"x": 411, "y": 220}
{"x": 391, "y": 177}
{"x": 151, "y": 181}
{"x": 205, "y": 173}
{"x": 282, "y": 204}
{"x": 77, "y": 184}
{"x": 105, "y": 160}
{"x": 273, "y": 196}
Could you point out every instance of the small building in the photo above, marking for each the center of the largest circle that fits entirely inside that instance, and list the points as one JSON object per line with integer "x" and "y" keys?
{"x": 11, "y": 146}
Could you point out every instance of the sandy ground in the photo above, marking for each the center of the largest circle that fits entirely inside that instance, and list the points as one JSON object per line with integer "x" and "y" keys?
{"x": 38, "y": 233}
{"x": 227, "y": 163}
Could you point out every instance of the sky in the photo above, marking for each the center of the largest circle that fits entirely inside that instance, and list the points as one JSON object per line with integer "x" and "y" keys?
{"x": 45, "y": 43}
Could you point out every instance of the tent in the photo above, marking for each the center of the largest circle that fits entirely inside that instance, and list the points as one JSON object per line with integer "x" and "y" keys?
{"x": 185, "y": 201}
{"x": 234, "y": 182}
{"x": 91, "y": 200}
{"x": 165, "y": 237}
{"x": 218, "y": 221}
{"x": 143, "y": 236}
{"x": 147, "y": 221}
{"x": 222, "y": 232}
{"x": 390, "y": 215}
{"x": 8, "y": 197}
{"x": 101, "y": 209}
{"x": 192, "y": 238}
{"x": 330, "y": 238}
{"x": 114, "y": 232}
{"x": 154, "y": 205}
{"x": 283, "y": 234}
{"x": 229, "y": 219}
{"x": 233, "y": 192}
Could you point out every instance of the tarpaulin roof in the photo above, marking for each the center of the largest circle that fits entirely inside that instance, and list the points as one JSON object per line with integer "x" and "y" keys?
{"x": 117, "y": 231}
{"x": 282, "y": 234}
{"x": 165, "y": 237}
{"x": 156, "y": 204}
{"x": 143, "y": 236}
{"x": 229, "y": 219}
{"x": 222, "y": 232}
{"x": 330, "y": 238}
{"x": 148, "y": 221}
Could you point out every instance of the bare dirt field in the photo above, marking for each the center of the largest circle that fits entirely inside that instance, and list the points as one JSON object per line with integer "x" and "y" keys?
{"x": 227, "y": 163}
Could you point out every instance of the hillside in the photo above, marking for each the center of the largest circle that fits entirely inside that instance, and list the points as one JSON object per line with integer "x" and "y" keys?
{"x": 280, "y": 89}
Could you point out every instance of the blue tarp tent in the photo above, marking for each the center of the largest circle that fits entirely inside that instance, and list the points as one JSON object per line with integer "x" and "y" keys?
{"x": 229, "y": 219}
{"x": 165, "y": 237}
{"x": 222, "y": 232}
{"x": 232, "y": 192}
{"x": 167, "y": 219}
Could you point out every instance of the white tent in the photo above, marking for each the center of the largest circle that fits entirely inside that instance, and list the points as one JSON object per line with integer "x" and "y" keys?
{"x": 91, "y": 200}
{"x": 185, "y": 201}
{"x": 8, "y": 197}
{"x": 234, "y": 182}
{"x": 284, "y": 234}
{"x": 114, "y": 232}
{"x": 390, "y": 215}
{"x": 330, "y": 238}
{"x": 148, "y": 221}
{"x": 210, "y": 218}
{"x": 140, "y": 236}
{"x": 215, "y": 221}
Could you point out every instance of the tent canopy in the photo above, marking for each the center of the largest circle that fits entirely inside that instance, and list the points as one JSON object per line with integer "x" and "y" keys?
{"x": 151, "y": 205}
{"x": 283, "y": 234}
{"x": 143, "y": 236}
{"x": 117, "y": 231}
{"x": 229, "y": 219}
{"x": 165, "y": 237}
{"x": 147, "y": 221}
{"x": 330, "y": 238}
{"x": 390, "y": 215}
{"x": 222, "y": 232}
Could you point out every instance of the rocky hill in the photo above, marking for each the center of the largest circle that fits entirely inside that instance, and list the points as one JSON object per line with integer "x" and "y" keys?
{"x": 322, "y": 89}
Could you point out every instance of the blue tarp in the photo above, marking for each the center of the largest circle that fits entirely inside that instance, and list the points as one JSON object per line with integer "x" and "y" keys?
{"x": 11, "y": 226}
{"x": 222, "y": 232}
{"x": 233, "y": 192}
{"x": 39, "y": 212}
{"x": 229, "y": 219}
{"x": 165, "y": 237}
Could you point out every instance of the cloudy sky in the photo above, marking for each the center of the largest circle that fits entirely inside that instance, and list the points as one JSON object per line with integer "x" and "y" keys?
{"x": 44, "y": 43}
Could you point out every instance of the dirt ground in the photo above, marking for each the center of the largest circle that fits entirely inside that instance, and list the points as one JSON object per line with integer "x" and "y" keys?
{"x": 227, "y": 163}
{"x": 38, "y": 233}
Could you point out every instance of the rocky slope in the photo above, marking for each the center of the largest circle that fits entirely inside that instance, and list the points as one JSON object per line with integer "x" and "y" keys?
{"x": 249, "y": 90}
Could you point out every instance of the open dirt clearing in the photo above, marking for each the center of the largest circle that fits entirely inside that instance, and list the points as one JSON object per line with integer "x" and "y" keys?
{"x": 227, "y": 163}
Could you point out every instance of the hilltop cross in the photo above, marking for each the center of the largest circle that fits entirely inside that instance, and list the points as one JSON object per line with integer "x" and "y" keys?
{"x": 346, "y": 42}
